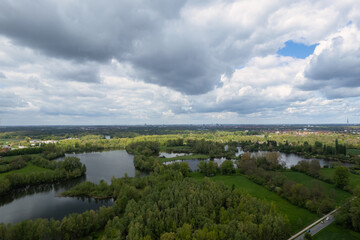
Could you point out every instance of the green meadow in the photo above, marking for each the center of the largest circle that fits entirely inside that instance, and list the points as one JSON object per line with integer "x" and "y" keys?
{"x": 28, "y": 169}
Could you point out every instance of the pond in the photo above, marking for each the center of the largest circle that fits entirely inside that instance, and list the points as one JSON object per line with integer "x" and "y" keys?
{"x": 289, "y": 160}
{"x": 42, "y": 201}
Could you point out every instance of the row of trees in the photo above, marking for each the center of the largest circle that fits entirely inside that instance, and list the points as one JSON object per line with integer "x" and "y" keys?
{"x": 318, "y": 149}
{"x": 16, "y": 163}
{"x": 341, "y": 176}
{"x": 211, "y": 168}
{"x": 211, "y": 148}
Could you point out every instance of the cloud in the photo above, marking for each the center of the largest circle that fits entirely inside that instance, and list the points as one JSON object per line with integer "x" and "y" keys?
{"x": 121, "y": 62}
{"x": 2, "y": 75}
{"x": 334, "y": 69}
{"x": 183, "y": 45}
{"x": 88, "y": 72}
{"x": 263, "y": 84}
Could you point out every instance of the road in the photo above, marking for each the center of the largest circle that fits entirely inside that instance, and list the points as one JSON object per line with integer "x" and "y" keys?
{"x": 315, "y": 229}
{"x": 316, "y": 226}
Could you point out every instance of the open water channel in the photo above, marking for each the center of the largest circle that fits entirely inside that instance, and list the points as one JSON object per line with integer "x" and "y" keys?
{"x": 42, "y": 201}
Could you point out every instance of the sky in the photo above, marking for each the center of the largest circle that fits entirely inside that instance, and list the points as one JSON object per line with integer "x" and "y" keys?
{"x": 133, "y": 62}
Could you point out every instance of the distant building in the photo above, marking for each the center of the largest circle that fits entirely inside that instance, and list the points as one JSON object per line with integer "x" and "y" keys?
{"x": 5, "y": 148}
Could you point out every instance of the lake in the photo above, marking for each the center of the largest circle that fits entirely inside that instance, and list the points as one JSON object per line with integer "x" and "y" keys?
{"x": 42, "y": 201}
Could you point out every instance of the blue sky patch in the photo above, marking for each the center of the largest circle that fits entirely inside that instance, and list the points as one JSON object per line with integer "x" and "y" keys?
{"x": 296, "y": 50}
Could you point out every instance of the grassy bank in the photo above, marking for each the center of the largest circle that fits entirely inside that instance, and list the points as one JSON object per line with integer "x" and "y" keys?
{"x": 30, "y": 168}
{"x": 298, "y": 217}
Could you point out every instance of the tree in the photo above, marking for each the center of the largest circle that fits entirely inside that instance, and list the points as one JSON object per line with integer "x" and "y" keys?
{"x": 341, "y": 176}
{"x": 314, "y": 168}
{"x": 208, "y": 168}
{"x": 227, "y": 167}
{"x": 308, "y": 236}
{"x": 184, "y": 168}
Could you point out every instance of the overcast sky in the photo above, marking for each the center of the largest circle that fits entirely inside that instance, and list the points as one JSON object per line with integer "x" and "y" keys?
{"x": 179, "y": 62}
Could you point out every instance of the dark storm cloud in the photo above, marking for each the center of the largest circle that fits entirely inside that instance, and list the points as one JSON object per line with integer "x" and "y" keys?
{"x": 96, "y": 30}
{"x": 136, "y": 32}
{"x": 76, "y": 72}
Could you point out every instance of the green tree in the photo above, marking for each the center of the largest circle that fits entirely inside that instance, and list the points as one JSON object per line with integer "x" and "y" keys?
{"x": 314, "y": 168}
{"x": 308, "y": 236}
{"x": 227, "y": 167}
{"x": 341, "y": 176}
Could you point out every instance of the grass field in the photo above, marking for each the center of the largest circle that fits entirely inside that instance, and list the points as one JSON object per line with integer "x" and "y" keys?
{"x": 30, "y": 168}
{"x": 329, "y": 173}
{"x": 307, "y": 181}
{"x": 335, "y": 232}
{"x": 299, "y": 217}
{"x": 195, "y": 156}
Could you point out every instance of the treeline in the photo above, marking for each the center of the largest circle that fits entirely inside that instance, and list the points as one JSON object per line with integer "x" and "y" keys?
{"x": 314, "y": 198}
{"x": 22, "y": 151}
{"x": 16, "y": 163}
{"x": 71, "y": 167}
{"x": 348, "y": 215}
{"x": 90, "y": 143}
{"x": 211, "y": 168}
{"x": 87, "y": 143}
{"x": 211, "y": 148}
{"x": 311, "y": 168}
{"x": 318, "y": 149}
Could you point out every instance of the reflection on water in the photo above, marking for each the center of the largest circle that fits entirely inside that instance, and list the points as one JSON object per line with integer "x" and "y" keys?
{"x": 171, "y": 155}
{"x": 193, "y": 163}
{"x": 43, "y": 188}
{"x": 291, "y": 159}
{"x": 239, "y": 152}
{"x": 105, "y": 165}
{"x": 43, "y": 201}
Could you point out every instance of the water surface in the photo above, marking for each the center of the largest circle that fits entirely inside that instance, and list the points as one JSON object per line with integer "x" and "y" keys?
{"x": 42, "y": 201}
